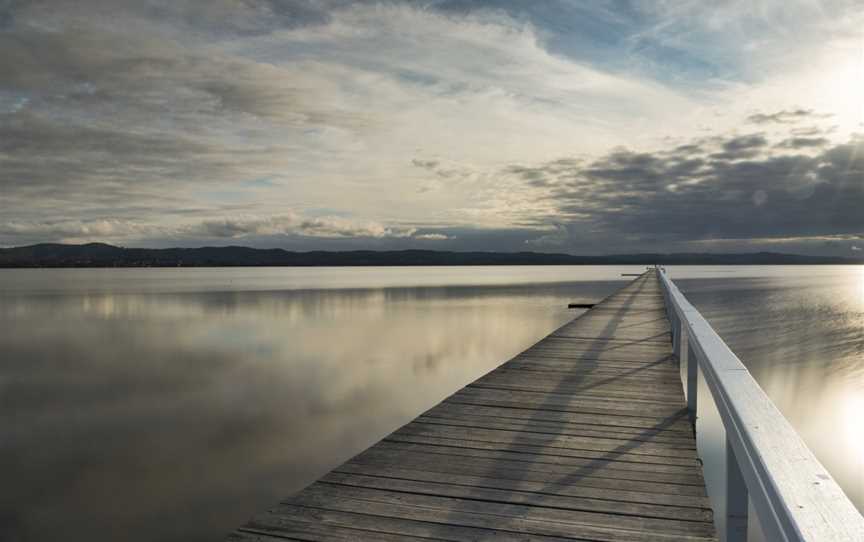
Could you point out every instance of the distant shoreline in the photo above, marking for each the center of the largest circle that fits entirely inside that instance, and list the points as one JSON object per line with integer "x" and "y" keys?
{"x": 100, "y": 255}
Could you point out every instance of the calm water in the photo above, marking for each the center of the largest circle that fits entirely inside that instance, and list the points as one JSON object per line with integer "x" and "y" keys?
{"x": 169, "y": 404}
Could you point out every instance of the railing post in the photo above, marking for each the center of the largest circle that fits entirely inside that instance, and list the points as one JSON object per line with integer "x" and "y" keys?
{"x": 737, "y": 499}
{"x": 692, "y": 374}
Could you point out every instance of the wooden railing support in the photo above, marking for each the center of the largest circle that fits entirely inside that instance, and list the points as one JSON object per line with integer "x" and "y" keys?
{"x": 737, "y": 500}
{"x": 690, "y": 362}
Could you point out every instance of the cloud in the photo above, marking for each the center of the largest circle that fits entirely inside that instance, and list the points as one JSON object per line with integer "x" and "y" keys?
{"x": 812, "y": 131}
{"x": 744, "y": 143}
{"x": 556, "y": 238}
{"x": 630, "y": 199}
{"x": 285, "y": 224}
{"x": 740, "y": 147}
{"x": 63, "y": 230}
{"x": 292, "y": 224}
{"x": 140, "y": 112}
{"x": 804, "y": 142}
{"x": 432, "y": 237}
{"x": 442, "y": 170}
{"x": 425, "y": 164}
{"x": 782, "y": 117}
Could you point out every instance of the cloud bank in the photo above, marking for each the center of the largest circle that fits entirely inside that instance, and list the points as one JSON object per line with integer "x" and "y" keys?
{"x": 335, "y": 124}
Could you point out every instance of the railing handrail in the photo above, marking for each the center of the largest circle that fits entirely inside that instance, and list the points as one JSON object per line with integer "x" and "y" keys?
{"x": 794, "y": 496}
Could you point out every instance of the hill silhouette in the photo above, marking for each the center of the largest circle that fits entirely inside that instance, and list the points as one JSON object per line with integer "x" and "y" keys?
{"x": 105, "y": 255}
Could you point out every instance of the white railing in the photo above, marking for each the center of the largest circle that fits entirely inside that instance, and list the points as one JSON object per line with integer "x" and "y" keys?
{"x": 793, "y": 495}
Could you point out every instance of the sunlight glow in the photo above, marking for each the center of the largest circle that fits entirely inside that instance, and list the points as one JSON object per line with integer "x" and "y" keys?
{"x": 853, "y": 428}
{"x": 841, "y": 88}
{"x": 862, "y": 286}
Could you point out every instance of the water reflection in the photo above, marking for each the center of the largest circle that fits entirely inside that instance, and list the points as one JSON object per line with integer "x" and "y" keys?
{"x": 138, "y": 415}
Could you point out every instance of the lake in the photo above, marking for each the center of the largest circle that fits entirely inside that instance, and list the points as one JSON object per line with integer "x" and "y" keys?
{"x": 173, "y": 404}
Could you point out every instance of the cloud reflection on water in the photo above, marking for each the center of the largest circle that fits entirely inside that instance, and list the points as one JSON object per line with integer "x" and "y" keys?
{"x": 167, "y": 416}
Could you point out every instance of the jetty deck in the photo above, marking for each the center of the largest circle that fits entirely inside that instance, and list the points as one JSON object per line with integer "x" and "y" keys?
{"x": 584, "y": 436}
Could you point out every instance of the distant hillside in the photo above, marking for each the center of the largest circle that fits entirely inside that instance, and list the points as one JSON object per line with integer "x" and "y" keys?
{"x": 103, "y": 255}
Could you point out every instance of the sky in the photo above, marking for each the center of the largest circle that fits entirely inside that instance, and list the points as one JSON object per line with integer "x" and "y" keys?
{"x": 589, "y": 127}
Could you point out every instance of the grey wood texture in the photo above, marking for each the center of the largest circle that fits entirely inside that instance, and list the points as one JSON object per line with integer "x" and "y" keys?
{"x": 584, "y": 436}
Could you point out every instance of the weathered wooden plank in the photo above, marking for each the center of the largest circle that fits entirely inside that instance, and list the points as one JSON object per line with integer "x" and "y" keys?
{"x": 242, "y": 535}
{"x": 598, "y": 359}
{"x": 291, "y": 518}
{"x": 584, "y": 436}
{"x": 605, "y": 444}
{"x": 623, "y": 380}
{"x": 577, "y": 403}
{"x": 680, "y": 519}
{"x": 394, "y": 449}
{"x": 618, "y": 455}
{"x": 623, "y": 325}
{"x": 658, "y": 369}
{"x": 578, "y": 354}
{"x": 476, "y": 513}
{"x": 553, "y": 428}
{"x": 308, "y": 531}
{"x": 600, "y": 389}
{"x": 615, "y": 336}
{"x": 695, "y": 505}
{"x": 599, "y": 331}
{"x": 575, "y": 348}
{"x": 597, "y": 468}
{"x": 587, "y": 392}
{"x": 626, "y": 385}
{"x": 618, "y": 421}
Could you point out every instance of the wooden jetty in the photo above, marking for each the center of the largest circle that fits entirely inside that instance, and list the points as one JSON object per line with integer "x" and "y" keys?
{"x": 584, "y": 436}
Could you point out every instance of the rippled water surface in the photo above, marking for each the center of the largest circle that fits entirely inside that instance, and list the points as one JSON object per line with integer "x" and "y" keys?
{"x": 169, "y": 404}
{"x": 800, "y": 332}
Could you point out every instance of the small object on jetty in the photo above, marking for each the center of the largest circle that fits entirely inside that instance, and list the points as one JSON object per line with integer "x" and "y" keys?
{"x": 580, "y": 305}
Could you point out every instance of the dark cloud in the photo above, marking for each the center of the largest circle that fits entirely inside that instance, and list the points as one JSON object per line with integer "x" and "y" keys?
{"x": 444, "y": 171}
{"x": 99, "y": 120}
{"x": 628, "y": 198}
{"x": 216, "y": 17}
{"x": 48, "y": 167}
{"x": 812, "y": 131}
{"x": 792, "y": 116}
{"x": 740, "y": 147}
{"x": 146, "y": 79}
{"x": 690, "y": 148}
{"x": 783, "y": 117}
{"x": 804, "y": 142}
{"x": 550, "y": 174}
{"x": 533, "y": 176}
{"x": 425, "y": 164}
{"x": 742, "y": 143}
